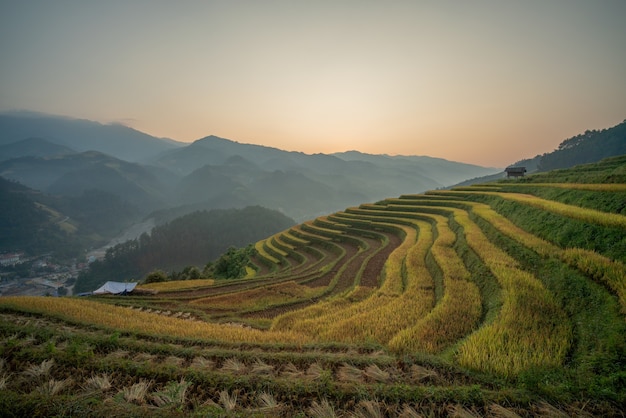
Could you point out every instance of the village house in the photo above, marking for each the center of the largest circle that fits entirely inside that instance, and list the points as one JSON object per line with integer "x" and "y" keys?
{"x": 10, "y": 259}
{"x": 515, "y": 171}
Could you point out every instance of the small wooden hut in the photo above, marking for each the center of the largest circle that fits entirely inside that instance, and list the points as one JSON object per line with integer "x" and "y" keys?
{"x": 515, "y": 171}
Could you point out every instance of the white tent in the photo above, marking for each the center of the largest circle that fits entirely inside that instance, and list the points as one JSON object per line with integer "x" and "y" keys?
{"x": 115, "y": 288}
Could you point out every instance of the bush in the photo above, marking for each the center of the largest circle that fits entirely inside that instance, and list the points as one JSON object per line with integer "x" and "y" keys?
{"x": 232, "y": 264}
{"x": 155, "y": 276}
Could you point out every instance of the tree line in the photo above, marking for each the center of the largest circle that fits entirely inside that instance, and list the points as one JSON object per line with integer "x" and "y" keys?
{"x": 191, "y": 240}
{"x": 588, "y": 147}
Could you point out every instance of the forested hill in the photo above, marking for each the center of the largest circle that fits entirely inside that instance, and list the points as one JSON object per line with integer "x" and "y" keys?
{"x": 37, "y": 223}
{"x": 609, "y": 170}
{"x": 82, "y": 135}
{"x": 191, "y": 240}
{"x": 589, "y": 147}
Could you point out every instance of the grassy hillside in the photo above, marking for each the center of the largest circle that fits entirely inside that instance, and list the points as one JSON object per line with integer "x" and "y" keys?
{"x": 504, "y": 299}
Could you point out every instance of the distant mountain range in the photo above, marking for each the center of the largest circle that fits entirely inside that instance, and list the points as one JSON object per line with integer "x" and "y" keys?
{"x": 82, "y": 135}
{"x": 69, "y": 157}
{"x": 139, "y": 176}
{"x": 37, "y": 223}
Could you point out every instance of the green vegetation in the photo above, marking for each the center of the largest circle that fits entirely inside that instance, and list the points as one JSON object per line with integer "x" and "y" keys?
{"x": 593, "y": 145}
{"x": 500, "y": 300}
{"x": 190, "y": 240}
{"x": 232, "y": 264}
{"x": 35, "y": 224}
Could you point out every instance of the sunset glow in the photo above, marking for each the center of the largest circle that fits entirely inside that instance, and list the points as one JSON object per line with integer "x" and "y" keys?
{"x": 486, "y": 82}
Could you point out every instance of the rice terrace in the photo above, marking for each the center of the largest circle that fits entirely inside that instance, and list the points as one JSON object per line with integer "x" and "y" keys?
{"x": 505, "y": 299}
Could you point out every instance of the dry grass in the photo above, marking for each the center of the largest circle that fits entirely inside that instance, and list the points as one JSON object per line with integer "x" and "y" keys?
{"x": 267, "y": 401}
{"x": 350, "y": 373}
{"x": 118, "y": 354}
{"x": 498, "y": 411}
{"x": 173, "y": 361}
{"x": 376, "y": 374}
{"x": 315, "y": 371}
{"x": 228, "y": 401}
{"x": 233, "y": 366}
{"x": 419, "y": 373}
{"x": 137, "y": 393}
{"x": 544, "y": 409}
{"x": 458, "y": 411}
{"x": 202, "y": 363}
{"x": 292, "y": 372}
{"x": 174, "y": 393}
{"x": 322, "y": 409}
{"x": 262, "y": 253}
{"x": 37, "y": 371}
{"x": 368, "y": 409}
{"x": 261, "y": 367}
{"x": 409, "y": 412}
{"x": 4, "y": 380}
{"x": 570, "y": 211}
{"x": 144, "y": 357}
{"x": 53, "y": 387}
{"x": 99, "y": 382}
{"x": 594, "y": 187}
{"x": 4, "y": 377}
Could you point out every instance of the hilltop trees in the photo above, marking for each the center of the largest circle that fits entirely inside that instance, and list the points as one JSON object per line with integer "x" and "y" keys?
{"x": 191, "y": 240}
{"x": 232, "y": 264}
{"x": 591, "y": 146}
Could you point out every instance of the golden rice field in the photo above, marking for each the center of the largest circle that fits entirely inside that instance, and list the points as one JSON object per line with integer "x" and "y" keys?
{"x": 122, "y": 318}
{"x": 502, "y": 299}
{"x": 177, "y": 284}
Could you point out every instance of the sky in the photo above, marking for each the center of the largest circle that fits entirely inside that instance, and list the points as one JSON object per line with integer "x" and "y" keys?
{"x": 486, "y": 82}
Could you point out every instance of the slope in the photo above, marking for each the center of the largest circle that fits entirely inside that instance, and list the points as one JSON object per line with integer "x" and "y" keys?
{"x": 588, "y": 147}
{"x": 32, "y": 147}
{"x": 82, "y": 135}
{"x": 73, "y": 174}
{"x": 502, "y": 299}
{"x": 327, "y": 182}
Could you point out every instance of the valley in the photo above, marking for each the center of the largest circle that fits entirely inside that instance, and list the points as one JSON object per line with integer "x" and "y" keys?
{"x": 489, "y": 300}
{"x": 305, "y": 209}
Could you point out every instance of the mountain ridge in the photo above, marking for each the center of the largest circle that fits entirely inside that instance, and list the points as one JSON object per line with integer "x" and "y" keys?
{"x": 32, "y": 147}
{"x": 82, "y": 135}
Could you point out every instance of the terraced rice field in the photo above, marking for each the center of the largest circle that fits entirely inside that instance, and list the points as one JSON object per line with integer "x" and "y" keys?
{"x": 503, "y": 300}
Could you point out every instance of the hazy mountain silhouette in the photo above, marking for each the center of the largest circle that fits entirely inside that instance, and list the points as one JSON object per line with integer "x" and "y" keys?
{"x": 32, "y": 147}
{"x": 205, "y": 183}
{"x": 98, "y": 192}
{"x": 301, "y": 185}
{"x": 73, "y": 174}
{"x": 38, "y": 223}
{"x": 83, "y": 135}
{"x": 211, "y": 172}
